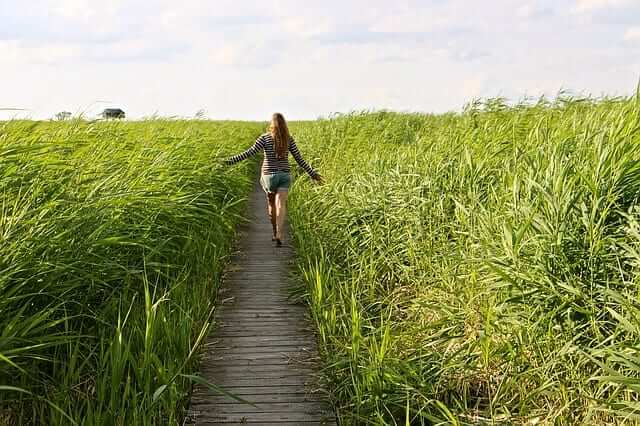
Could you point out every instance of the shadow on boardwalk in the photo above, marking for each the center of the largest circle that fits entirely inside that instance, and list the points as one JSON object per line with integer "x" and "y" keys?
{"x": 262, "y": 348}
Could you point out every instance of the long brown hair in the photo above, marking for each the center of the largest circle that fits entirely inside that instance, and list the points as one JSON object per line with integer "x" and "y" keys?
{"x": 280, "y": 133}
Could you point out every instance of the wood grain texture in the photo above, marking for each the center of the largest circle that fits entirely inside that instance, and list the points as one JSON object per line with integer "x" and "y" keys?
{"x": 262, "y": 348}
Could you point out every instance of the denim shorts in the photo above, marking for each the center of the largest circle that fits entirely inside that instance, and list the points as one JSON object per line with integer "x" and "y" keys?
{"x": 279, "y": 181}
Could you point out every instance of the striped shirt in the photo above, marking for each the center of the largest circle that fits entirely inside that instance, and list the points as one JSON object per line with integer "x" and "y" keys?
{"x": 271, "y": 164}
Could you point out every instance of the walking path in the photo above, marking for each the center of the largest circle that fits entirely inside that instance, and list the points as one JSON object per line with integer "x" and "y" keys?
{"x": 262, "y": 348}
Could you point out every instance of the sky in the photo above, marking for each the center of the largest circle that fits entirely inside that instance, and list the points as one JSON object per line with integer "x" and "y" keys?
{"x": 244, "y": 59}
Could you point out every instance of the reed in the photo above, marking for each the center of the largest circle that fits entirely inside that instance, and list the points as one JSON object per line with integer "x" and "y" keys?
{"x": 113, "y": 236}
{"x": 479, "y": 267}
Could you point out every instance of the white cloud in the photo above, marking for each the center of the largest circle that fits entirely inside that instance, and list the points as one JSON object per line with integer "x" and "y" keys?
{"x": 632, "y": 34}
{"x": 591, "y": 5}
{"x": 473, "y": 87}
{"x": 305, "y": 27}
{"x": 82, "y": 10}
{"x": 242, "y": 54}
{"x": 244, "y": 58}
{"x": 13, "y": 52}
{"x": 532, "y": 11}
{"x": 412, "y": 21}
{"x": 9, "y": 52}
{"x": 96, "y": 16}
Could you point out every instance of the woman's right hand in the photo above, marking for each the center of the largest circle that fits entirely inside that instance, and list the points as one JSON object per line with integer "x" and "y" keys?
{"x": 318, "y": 179}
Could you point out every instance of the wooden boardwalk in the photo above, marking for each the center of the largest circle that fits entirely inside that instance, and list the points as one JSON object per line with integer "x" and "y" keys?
{"x": 262, "y": 348}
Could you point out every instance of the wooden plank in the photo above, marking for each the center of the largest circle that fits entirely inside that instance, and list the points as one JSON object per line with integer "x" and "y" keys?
{"x": 230, "y": 334}
{"x": 252, "y": 423}
{"x": 266, "y": 288}
{"x": 226, "y": 313}
{"x": 241, "y": 352}
{"x": 270, "y": 310}
{"x": 238, "y": 315}
{"x": 228, "y": 349}
{"x": 232, "y": 315}
{"x": 307, "y": 407}
{"x": 258, "y": 338}
{"x": 261, "y": 358}
{"x": 236, "y": 382}
{"x": 265, "y": 294}
{"x": 268, "y": 263}
{"x": 240, "y": 320}
{"x": 260, "y": 324}
{"x": 231, "y": 363}
{"x": 295, "y": 343}
{"x": 222, "y": 377}
{"x": 242, "y": 349}
{"x": 283, "y": 309}
{"x": 273, "y": 382}
{"x": 262, "y": 398}
{"x": 263, "y": 345}
{"x": 249, "y": 322}
{"x": 255, "y": 279}
{"x": 262, "y": 301}
{"x": 273, "y": 329}
{"x": 266, "y": 332}
{"x": 273, "y": 418}
{"x": 283, "y": 300}
{"x": 259, "y": 368}
{"x": 301, "y": 347}
{"x": 266, "y": 291}
{"x": 313, "y": 366}
{"x": 259, "y": 328}
{"x": 269, "y": 364}
{"x": 295, "y": 316}
{"x": 281, "y": 368}
{"x": 259, "y": 304}
{"x": 286, "y": 393}
{"x": 257, "y": 356}
{"x": 243, "y": 391}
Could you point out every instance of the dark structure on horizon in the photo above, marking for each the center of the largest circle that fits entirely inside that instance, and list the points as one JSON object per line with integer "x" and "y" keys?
{"x": 113, "y": 113}
{"x": 63, "y": 115}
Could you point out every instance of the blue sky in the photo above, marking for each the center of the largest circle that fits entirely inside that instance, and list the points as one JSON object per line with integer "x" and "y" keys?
{"x": 245, "y": 59}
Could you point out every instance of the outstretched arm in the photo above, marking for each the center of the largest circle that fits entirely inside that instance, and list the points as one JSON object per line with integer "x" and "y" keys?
{"x": 298, "y": 157}
{"x": 253, "y": 150}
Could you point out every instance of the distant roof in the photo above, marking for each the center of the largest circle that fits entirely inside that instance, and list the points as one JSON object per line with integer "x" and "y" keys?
{"x": 113, "y": 110}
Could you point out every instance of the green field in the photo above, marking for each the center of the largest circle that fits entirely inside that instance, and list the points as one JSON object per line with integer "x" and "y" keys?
{"x": 464, "y": 268}
{"x": 477, "y": 267}
{"x": 113, "y": 239}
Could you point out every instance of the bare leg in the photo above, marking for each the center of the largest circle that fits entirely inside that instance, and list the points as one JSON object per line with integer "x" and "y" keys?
{"x": 271, "y": 209}
{"x": 281, "y": 212}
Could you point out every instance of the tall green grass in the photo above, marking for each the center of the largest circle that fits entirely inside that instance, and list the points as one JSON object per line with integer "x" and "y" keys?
{"x": 479, "y": 267}
{"x": 112, "y": 240}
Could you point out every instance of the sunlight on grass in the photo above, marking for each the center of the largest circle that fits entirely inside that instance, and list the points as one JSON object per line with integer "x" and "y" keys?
{"x": 477, "y": 267}
{"x": 114, "y": 236}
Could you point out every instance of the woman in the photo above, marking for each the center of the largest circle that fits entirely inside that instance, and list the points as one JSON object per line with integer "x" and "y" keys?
{"x": 275, "y": 176}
